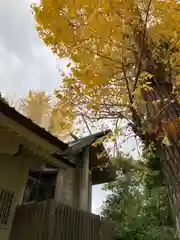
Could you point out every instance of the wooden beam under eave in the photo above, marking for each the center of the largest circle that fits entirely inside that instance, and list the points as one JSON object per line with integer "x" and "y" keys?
{"x": 101, "y": 176}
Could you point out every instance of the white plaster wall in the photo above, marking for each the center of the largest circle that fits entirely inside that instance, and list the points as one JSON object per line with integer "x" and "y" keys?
{"x": 9, "y": 142}
{"x": 13, "y": 177}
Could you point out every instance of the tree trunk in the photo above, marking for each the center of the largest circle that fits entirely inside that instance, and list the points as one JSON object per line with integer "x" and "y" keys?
{"x": 163, "y": 118}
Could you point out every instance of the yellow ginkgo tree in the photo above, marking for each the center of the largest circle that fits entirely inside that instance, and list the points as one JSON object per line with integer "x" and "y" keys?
{"x": 126, "y": 65}
{"x": 39, "y": 107}
{"x": 36, "y": 106}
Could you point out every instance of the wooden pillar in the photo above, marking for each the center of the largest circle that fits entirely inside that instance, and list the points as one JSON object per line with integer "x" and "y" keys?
{"x": 84, "y": 181}
{"x": 90, "y": 194}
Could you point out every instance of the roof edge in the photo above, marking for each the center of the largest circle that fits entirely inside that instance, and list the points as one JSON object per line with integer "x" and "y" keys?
{"x": 11, "y": 113}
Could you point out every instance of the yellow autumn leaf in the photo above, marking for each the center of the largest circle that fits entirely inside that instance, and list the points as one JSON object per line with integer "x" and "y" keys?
{"x": 166, "y": 141}
{"x": 68, "y": 65}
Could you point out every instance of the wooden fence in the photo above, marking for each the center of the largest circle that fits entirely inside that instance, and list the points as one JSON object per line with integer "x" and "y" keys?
{"x": 50, "y": 221}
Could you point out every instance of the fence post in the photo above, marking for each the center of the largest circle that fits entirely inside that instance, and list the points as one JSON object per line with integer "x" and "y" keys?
{"x": 49, "y": 220}
{"x": 106, "y": 232}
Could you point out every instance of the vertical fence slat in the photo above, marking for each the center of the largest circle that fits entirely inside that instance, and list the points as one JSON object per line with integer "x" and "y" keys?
{"x": 48, "y": 221}
{"x": 48, "y": 218}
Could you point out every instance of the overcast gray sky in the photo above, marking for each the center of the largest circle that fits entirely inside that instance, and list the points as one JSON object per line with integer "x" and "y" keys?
{"x": 25, "y": 62}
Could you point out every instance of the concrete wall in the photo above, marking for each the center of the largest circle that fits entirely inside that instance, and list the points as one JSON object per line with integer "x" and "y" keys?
{"x": 73, "y": 185}
{"x": 13, "y": 177}
{"x": 84, "y": 181}
{"x": 67, "y": 187}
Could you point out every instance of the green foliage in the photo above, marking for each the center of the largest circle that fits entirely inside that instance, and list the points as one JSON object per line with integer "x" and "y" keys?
{"x": 138, "y": 207}
{"x": 153, "y": 178}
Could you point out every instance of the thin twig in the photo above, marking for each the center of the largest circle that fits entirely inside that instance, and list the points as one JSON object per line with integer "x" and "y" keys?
{"x": 165, "y": 107}
{"x": 104, "y": 56}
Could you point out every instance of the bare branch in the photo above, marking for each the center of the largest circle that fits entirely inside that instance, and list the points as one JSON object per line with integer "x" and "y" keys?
{"x": 87, "y": 126}
{"x": 142, "y": 46}
{"x": 127, "y": 85}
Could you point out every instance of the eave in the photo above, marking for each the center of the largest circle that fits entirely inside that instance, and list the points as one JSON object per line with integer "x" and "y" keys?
{"x": 16, "y": 130}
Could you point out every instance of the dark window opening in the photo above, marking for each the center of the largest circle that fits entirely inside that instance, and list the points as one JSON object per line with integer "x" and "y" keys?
{"x": 40, "y": 185}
